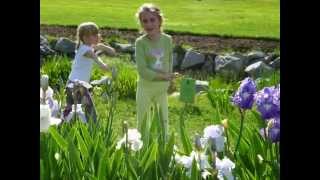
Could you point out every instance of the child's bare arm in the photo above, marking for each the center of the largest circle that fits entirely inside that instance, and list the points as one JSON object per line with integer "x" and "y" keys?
{"x": 102, "y": 47}
{"x": 95, "y": 58}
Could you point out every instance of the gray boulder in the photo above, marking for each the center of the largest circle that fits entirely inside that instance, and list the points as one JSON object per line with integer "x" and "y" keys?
{"x": 65, "y": 45}
{"x": 175, "y": 60}
{"x": 192, "y": 59}
{"x": 229, "y": 66}
{"x": 45, "y": 48}
{"x": 201, "y": 86}
{"x": 209, "y": 63}
{"x": 258, "y": 69}
{"x": 123, "y": 48}
{"x": 254, "y": 57}
{"x": 269, "y": 58}
{"x": 275, "y": 63}
{"x": 178, "y": 56}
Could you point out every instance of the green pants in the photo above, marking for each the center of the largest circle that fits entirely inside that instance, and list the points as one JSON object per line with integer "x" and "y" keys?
{"x": 146, "y": 97}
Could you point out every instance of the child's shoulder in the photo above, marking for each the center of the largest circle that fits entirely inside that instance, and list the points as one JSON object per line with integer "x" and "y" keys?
{"x": 141, "y": 38}
{"x": 166, "y": 36}
{"x": 83, "y": 49}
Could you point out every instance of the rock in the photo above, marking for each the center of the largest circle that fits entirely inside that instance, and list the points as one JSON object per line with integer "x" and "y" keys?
{"x": 123, "y": 48}
{"x": 241, "y": 57}
{"x": 178, "y": 56}
{"x": 201, "y": 86}
{"x": 275, "y": 63}
{"x": 45, "y": 48}
{"x": 65, "y": 45}
{"x": 258, "y": 69}
{"x": 209, "y": 63}
{"x": 229, "y": 66}
{"x": 175, "y": 62}
{"x": 41, "y": 60}
{"x": 270, "y": 58}
{"x": 191, "y": 59}
{"x": 254, "y": 57}
{"x": 252, "y": 61}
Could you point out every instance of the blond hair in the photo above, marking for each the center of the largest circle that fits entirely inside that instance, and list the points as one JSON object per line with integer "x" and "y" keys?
{"x": 84, "y": 29}
{"x": 149, "y": 7}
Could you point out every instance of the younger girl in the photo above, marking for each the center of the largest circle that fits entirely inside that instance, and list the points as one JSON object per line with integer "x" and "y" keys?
{"x": 88, "y": 42}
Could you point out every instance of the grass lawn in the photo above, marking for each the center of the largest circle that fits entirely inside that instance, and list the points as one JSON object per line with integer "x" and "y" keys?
{"x": 237, "y": 18}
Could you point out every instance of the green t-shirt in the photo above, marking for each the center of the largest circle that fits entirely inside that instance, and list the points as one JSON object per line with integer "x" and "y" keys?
{"x": 152, "y": 57}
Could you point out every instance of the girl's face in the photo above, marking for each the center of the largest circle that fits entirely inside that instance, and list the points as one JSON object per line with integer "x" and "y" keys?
{"x": 92, "y": 39}
{"x": 150, "y": 23}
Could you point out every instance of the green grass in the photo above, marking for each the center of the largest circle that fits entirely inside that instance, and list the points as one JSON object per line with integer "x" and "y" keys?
{"x": 236, "y": 18}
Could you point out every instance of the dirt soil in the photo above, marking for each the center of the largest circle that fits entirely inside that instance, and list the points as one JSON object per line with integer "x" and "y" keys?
{"x": 202, "y": 43}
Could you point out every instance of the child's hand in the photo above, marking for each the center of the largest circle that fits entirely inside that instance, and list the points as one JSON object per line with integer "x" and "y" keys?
{"x": 105, "y": 68}
{"x": 102, "y": 47}
{"x": 169, "y": 76}
{"x": 176, "y": 75}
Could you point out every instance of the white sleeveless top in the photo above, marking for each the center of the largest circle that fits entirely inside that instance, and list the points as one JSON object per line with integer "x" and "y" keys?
{"x": 81, "y": 66}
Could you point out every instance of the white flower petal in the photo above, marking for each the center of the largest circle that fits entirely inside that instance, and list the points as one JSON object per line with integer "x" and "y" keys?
{"x": 55, "y": 109}
{"x": 136, "y": 145}
{"x": 225, "y": 167}
{"x": 213, "y": 131}
{"x": 45, "y": 115}
{"x": 82, "y": 116}
{"x": 186, "y": 161}
{"x": 219, "y": 141}
{"x": 205, "y": 174}
{"x": 133, "y": 134}
{"x": 55, "y": 121}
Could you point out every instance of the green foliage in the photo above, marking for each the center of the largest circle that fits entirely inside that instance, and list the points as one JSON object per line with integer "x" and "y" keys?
{"x": 58, "y": 69}
{"x": 88, "y": 151}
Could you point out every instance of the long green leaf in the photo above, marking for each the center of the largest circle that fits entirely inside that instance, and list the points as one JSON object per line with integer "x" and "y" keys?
{"x": 102, "y": 169}
{"x": 82, "y": 146}
{"x": 194, "y": 170}
{"x": 131, "y": 168}
{"x": 87, "y": 138}
{"x": 75, "y": 156}
{"x": 149, "y": 157}
{"x": 59, "y": 139}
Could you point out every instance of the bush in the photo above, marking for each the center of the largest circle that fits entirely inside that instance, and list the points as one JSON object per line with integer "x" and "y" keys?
{"x": 58, "y": 69}
{"x": 127, "y": 81}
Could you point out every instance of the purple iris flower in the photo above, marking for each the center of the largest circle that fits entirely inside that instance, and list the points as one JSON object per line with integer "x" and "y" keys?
{"x": 244, "y": 97}
{"x": 273, "y": 132}
{"x": 268, "y": 102}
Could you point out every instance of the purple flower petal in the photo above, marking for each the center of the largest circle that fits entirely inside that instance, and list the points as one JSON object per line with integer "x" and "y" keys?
{"x": 244, "y": 97}
{"x": 268, "y": 102}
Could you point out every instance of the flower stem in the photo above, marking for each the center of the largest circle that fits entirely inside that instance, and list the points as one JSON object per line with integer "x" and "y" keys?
{"x": 277, "y": 149}
{"x": 126, "y": 152}
{"x": 228, "y": 143}
{"x": 241, "y": 129}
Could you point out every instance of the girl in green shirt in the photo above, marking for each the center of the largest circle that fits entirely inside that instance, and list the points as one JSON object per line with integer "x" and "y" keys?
{"x": 154, "y": 63}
